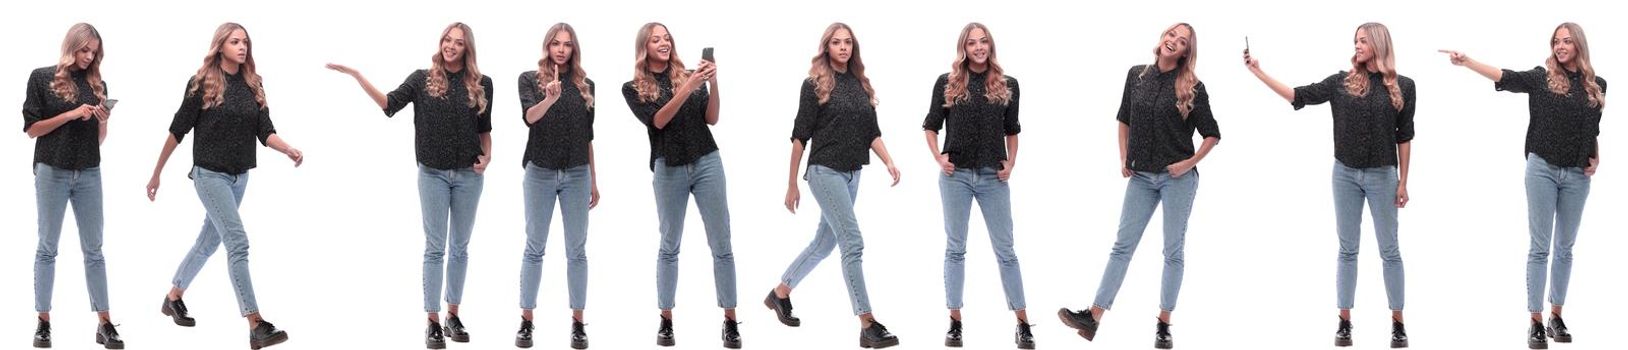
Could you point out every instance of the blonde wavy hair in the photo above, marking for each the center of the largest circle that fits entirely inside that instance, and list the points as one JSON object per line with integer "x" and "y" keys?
{"x": 1384, "y": 62}
{"x": 436, "y": 83}
{"x": 643, "y": 81}
{"x": 995, "y": 81}
{"x": 1557, "y": 76}
{"x": 79, "y": 37}
{"x": 1186, "y": 69}
{"x": 824, "y": 77}
{"x": 211, "y": 79}
{"x": 545, "y": 66}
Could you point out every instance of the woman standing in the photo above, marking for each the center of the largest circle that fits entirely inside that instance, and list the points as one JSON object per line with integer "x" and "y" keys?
{"x": 226, "y": 105}
{"x": 1163, "y": 104}
{"x": 558, "y": 104}
{"x": 452, "y": 125}
{"x": 676, "y": 107}
{"x": 66, "y": 115}
{"x": 838, "y": 108}
{"x": 1373, "y": 133}
{"x": 1564, "y": 100}
{"x": 979, "y": 104}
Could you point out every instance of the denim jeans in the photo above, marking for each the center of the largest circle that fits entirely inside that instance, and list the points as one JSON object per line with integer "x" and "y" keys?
{"x": 1143, "y": 192}
{"x": 444, "y": 194}
{"x": 572, "y": 187}
{"x": 1377, "y": 186}
{"x": 1554, "y": 205}
{"x": 994, "y": 197}
{"x": 673, "y": 186}
{"x": 221, "y": 194}
{"x": 835, "y": 191}
{"x": 53, "y": 189}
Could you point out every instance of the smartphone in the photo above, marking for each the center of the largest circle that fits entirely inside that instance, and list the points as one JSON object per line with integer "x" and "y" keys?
{"x": 108, "y": 105}
{"x": 706, "y": 55}
{"x": 1246, "y": 44}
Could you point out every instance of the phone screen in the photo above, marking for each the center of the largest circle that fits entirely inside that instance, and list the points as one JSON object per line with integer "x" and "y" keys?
{"x": 108, "y": 105}
{"x": 706, "y": 54}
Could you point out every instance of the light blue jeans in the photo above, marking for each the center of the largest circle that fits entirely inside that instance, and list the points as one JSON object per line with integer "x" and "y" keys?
{"x": 835, "y": 191}
{"x": 53, "y": 189}
{"x": 1377, "y": 186}
{"x": 1554, "y": 205}
{"x": 673, "y": 186}
{"x": 957, "y": 191}
{"x": 572, "y": 187}
{"x": 445, "y": 194}
{"x": 1143, "y": 192}
{"x": 221, "y": 194}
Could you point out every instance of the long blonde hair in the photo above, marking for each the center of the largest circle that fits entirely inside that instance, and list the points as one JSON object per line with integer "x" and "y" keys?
{"x": 1186, "y": 70}
{"x": 644, "y": 82}
{"x": 1557, "y": 76}
{"x": 824, "y": 77}
{"x": 545, "y": 66}
{"x": 79, "y": 37}
{"x": 436, "y": 83}
{"x": 211, "y": 79}
{"x": 995, "y": 81}
{"x": 1384, "y": 61}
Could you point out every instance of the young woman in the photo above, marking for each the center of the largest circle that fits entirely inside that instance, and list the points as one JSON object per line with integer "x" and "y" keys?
{"x": 558, "y": 104}
{"x": 1564, "y": 100}
{"x": 978, "y": 102}
{"x": 65, "y": 114}
{"x": 676, "y": 107}
{"x": 226, "y": 105}
{"x": 1163, "y": 104}
{"x": 838, "y": 108}
{"x": 452, "y": 125}
{"x": 1373, "y": 130}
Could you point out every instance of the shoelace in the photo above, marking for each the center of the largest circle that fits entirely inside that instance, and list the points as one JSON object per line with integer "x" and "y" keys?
{"x": 112, "y": 329}
{"x": 180, "y": 307}
{"x": 1163, "y": 328}
{"x": 1024, "y": 328}
{"x": 43, "y": 329}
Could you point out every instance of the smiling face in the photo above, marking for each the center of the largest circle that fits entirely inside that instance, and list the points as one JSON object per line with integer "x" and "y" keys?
{"x": 86, "y": 55}
{"x": 236, "y": 47}
{"x": 978, "y": 48}
{"x": 1174, "y": 44}
{"x": 840, "y": 48}
{"x": 561, "y": 48}
{"x": 453, "y": 45}
{"x": 1364, "y": 48}
{"x": 1563, "y": 46}
{"x": 658, "y": 45}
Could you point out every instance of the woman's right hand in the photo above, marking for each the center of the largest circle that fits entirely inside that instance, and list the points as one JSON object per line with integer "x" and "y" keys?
{"x": 85, "y": 112}
{"x": 1250, "y": 62}
{"x": 152, "y": 188}
{"x": 1457, "y": 58}
{"x": 702, "y": 74}
{"x": 343, "y": 69}
{"x": 792, "y": 198}
{"x": 945, "y": 165}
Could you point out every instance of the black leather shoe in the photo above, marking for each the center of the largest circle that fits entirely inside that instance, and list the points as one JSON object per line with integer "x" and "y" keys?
{"x": 177, "y": 311}
{"x": 454, "y": 329}
{"x": 522, "y": 338}
{"x": 109, "y": 337}
{"x": 1535, "y": 336}
{"x": 1082, "y": 321}
{"x": 732, "y": 334}
{"x": 1399, "y": 335}
{"x": 664, "y": 334}
{"x": 1557, "y": 330}
{"x": 782, "y": 309}
{"x": 42, "y": 334}
{"x": 952, "y": 338}
{"x": 579, "y": 335}
{"x": 1162, "y": 338}
{"x": 1342, "y": 336}
{"x": 876, "y": 336}
{"x": 264, "y": 334}
{"x": 433, "y": 338}
{"x": 1024, "y": 337}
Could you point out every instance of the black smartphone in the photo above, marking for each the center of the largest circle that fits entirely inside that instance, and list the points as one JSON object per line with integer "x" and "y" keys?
{"x": 1246, "y": 44}
{"x": 108, "y": 105}
{"x": 706, "y": 55}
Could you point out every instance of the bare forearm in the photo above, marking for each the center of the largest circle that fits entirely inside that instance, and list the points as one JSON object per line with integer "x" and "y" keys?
{"x": 932, "y": 143}
{"x": 536, "y": 112}
{"x": 164, "y": 153}
{"x": 1403, "y": 152}
{"x": 486, "y": 144}
{"x": 1011, "y": 149}
{"x": 1282, "y": 90}
{"x": 667, "y": 111}
{"x": 1485, "y": 70}
{"x": 712, "y": 105}
{"x": 881, "y": 151}
{"x": 796, "y": 159}
{"x": 1124, "y": 142}
{"x": 44, "y": 127}
{"x": 1204, "y": 149}
{"x": 276, "y": 143}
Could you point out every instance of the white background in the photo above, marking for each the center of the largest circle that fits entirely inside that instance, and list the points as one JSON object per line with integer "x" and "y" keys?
{"x": 337, "y": 243}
